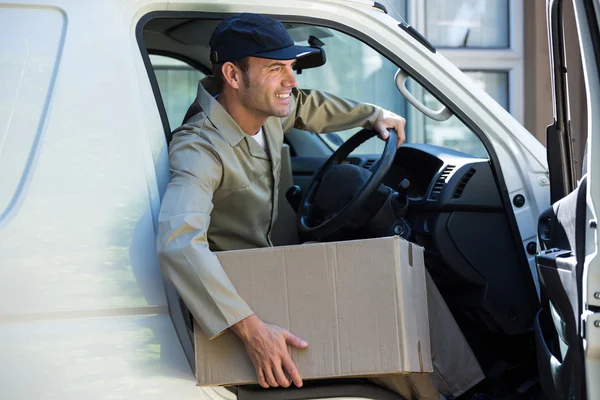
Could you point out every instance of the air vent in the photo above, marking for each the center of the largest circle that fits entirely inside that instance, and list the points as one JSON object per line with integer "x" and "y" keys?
{"x": 463, "y": 183}
{"x": 369, "y": 163}
{"x": 441, "y": 181}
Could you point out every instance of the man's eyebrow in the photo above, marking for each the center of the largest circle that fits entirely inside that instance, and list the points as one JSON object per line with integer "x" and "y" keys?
{"x": 278, "y": 64}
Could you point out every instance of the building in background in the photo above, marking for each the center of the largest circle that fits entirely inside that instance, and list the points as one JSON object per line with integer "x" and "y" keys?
{"x": 500, "y": 44}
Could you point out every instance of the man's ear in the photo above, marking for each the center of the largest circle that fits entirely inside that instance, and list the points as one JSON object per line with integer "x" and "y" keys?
{"x": 232, "y": 75}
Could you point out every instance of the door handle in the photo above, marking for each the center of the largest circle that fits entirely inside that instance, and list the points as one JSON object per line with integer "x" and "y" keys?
{"x": 440, "y": 115}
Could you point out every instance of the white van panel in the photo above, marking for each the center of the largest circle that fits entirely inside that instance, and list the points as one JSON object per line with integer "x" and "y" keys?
{"x": 81, "y": 236}
{"x": 117, "y": 358}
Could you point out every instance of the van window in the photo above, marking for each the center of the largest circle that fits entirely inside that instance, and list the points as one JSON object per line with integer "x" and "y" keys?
{"x": 178, "y": 83}
{"x": 353, "y": 70}
{"x": 356, "y": 71}
{"x": 453, "y": 133}
{"x": 29, "y": 60}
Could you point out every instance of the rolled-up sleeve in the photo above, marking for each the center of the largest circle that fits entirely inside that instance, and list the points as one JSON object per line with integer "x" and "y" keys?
{"x": 322, "y": 112}
{"x": 183, "y": 251}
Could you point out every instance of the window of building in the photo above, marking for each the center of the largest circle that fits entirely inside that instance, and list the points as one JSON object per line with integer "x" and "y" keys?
{"x": 483, "y": 37}
{"x": 468, "y": 23}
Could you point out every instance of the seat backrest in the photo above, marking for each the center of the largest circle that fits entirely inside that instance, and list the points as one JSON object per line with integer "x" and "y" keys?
{"x": 285, "y": 230}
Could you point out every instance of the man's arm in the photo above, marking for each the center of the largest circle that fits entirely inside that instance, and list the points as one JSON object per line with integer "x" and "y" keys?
{"x": 197, "y": 274}
{"x": 322, "y": 112}
{"x": 184, "y": 255}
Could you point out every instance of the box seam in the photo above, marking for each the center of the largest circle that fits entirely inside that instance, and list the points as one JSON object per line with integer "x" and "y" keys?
{"x": 337, "y": 313}
{"x": 287, "y": 300}
{"x": 400, "y": 310}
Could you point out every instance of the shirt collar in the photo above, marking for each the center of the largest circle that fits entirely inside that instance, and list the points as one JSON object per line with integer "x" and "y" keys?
{"x": 215, "y": 112}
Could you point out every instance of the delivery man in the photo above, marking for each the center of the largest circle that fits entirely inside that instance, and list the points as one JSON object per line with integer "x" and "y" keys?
{"x": 225, "y": 166}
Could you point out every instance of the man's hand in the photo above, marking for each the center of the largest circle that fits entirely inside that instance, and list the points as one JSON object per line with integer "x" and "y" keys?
{"x": 387, "y": 120}
{"x": 266, "y": 346}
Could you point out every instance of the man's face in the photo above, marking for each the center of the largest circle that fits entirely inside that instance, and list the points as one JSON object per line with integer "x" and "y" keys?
{"x": 270, "y": 84}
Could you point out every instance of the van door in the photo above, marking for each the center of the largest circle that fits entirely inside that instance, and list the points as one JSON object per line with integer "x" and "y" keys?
{"x": 566, "y": 328}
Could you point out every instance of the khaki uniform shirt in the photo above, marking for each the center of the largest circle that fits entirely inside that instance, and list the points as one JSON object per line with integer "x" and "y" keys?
{"x": 223, "y": 195}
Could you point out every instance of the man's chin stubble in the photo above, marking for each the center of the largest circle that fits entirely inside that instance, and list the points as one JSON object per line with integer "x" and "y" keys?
{"x": 283, "y": 113}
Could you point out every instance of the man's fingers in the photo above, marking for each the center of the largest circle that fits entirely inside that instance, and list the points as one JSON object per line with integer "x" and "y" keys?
{"x": 294, "y": 340}
{"x": 291, "y": 371}
{"x": 280, "y": 376}
{"x": 383, "y": 133}
{"x": 401, "y": 137}
{"x": 399, "y": 131}
{"x": 271, "y": 358}
{"x": 261, "y": 378}
{"x": 388, "y": 120}
{"x": 269, "y": 375}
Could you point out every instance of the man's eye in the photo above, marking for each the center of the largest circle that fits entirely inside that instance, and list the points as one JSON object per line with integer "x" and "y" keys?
{"x": 276, "y": 69}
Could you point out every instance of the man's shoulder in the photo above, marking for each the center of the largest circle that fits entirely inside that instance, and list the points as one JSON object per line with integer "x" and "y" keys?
{"x": 199, "y": 128}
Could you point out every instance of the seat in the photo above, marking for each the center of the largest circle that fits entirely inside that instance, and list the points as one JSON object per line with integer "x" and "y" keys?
{"x": 285, "y": 231}
{"x": 321, "y": 389}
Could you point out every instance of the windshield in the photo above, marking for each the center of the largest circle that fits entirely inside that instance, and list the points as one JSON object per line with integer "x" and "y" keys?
{"x": 356, "y": 71}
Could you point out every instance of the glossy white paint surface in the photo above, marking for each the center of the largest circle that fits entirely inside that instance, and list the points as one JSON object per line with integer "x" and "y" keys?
{"x": 80, "y": 235}
{"x": 82, "y": 304}
{"x": 27, "y": 72}
{"x": 97, "y": 358}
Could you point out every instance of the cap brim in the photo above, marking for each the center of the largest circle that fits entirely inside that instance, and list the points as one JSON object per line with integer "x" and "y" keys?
{"x": 287, "y": 53}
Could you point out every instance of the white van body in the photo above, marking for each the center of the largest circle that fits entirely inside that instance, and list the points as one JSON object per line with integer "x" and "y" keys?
{"x": 83, "y": 165}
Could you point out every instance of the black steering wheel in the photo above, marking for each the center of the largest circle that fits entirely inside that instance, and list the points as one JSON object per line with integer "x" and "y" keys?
{"x": 337, "y": 219}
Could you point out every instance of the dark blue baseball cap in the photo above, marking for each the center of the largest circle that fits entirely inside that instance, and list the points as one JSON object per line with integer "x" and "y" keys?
{"x": 245, "y": 35}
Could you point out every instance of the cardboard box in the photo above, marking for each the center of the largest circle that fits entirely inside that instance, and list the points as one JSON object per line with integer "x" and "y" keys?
{"x": 361, "y": 305}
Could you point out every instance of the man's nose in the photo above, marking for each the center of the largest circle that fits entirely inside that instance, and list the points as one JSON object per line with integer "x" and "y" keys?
{"x": 289, "y": 80}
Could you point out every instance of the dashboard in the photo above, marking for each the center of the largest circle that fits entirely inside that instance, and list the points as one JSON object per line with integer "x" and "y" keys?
{"x": 440, "y": 177}
{"x": 456, "y": 212}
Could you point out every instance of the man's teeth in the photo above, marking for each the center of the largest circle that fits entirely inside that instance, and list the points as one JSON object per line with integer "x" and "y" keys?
{"x": 283, "y": 96}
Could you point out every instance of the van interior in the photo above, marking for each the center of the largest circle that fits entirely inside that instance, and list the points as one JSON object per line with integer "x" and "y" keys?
{"x": 448, "y": 199}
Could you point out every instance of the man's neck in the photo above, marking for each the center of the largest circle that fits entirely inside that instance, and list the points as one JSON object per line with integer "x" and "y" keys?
{"x": 250, "y": 124}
